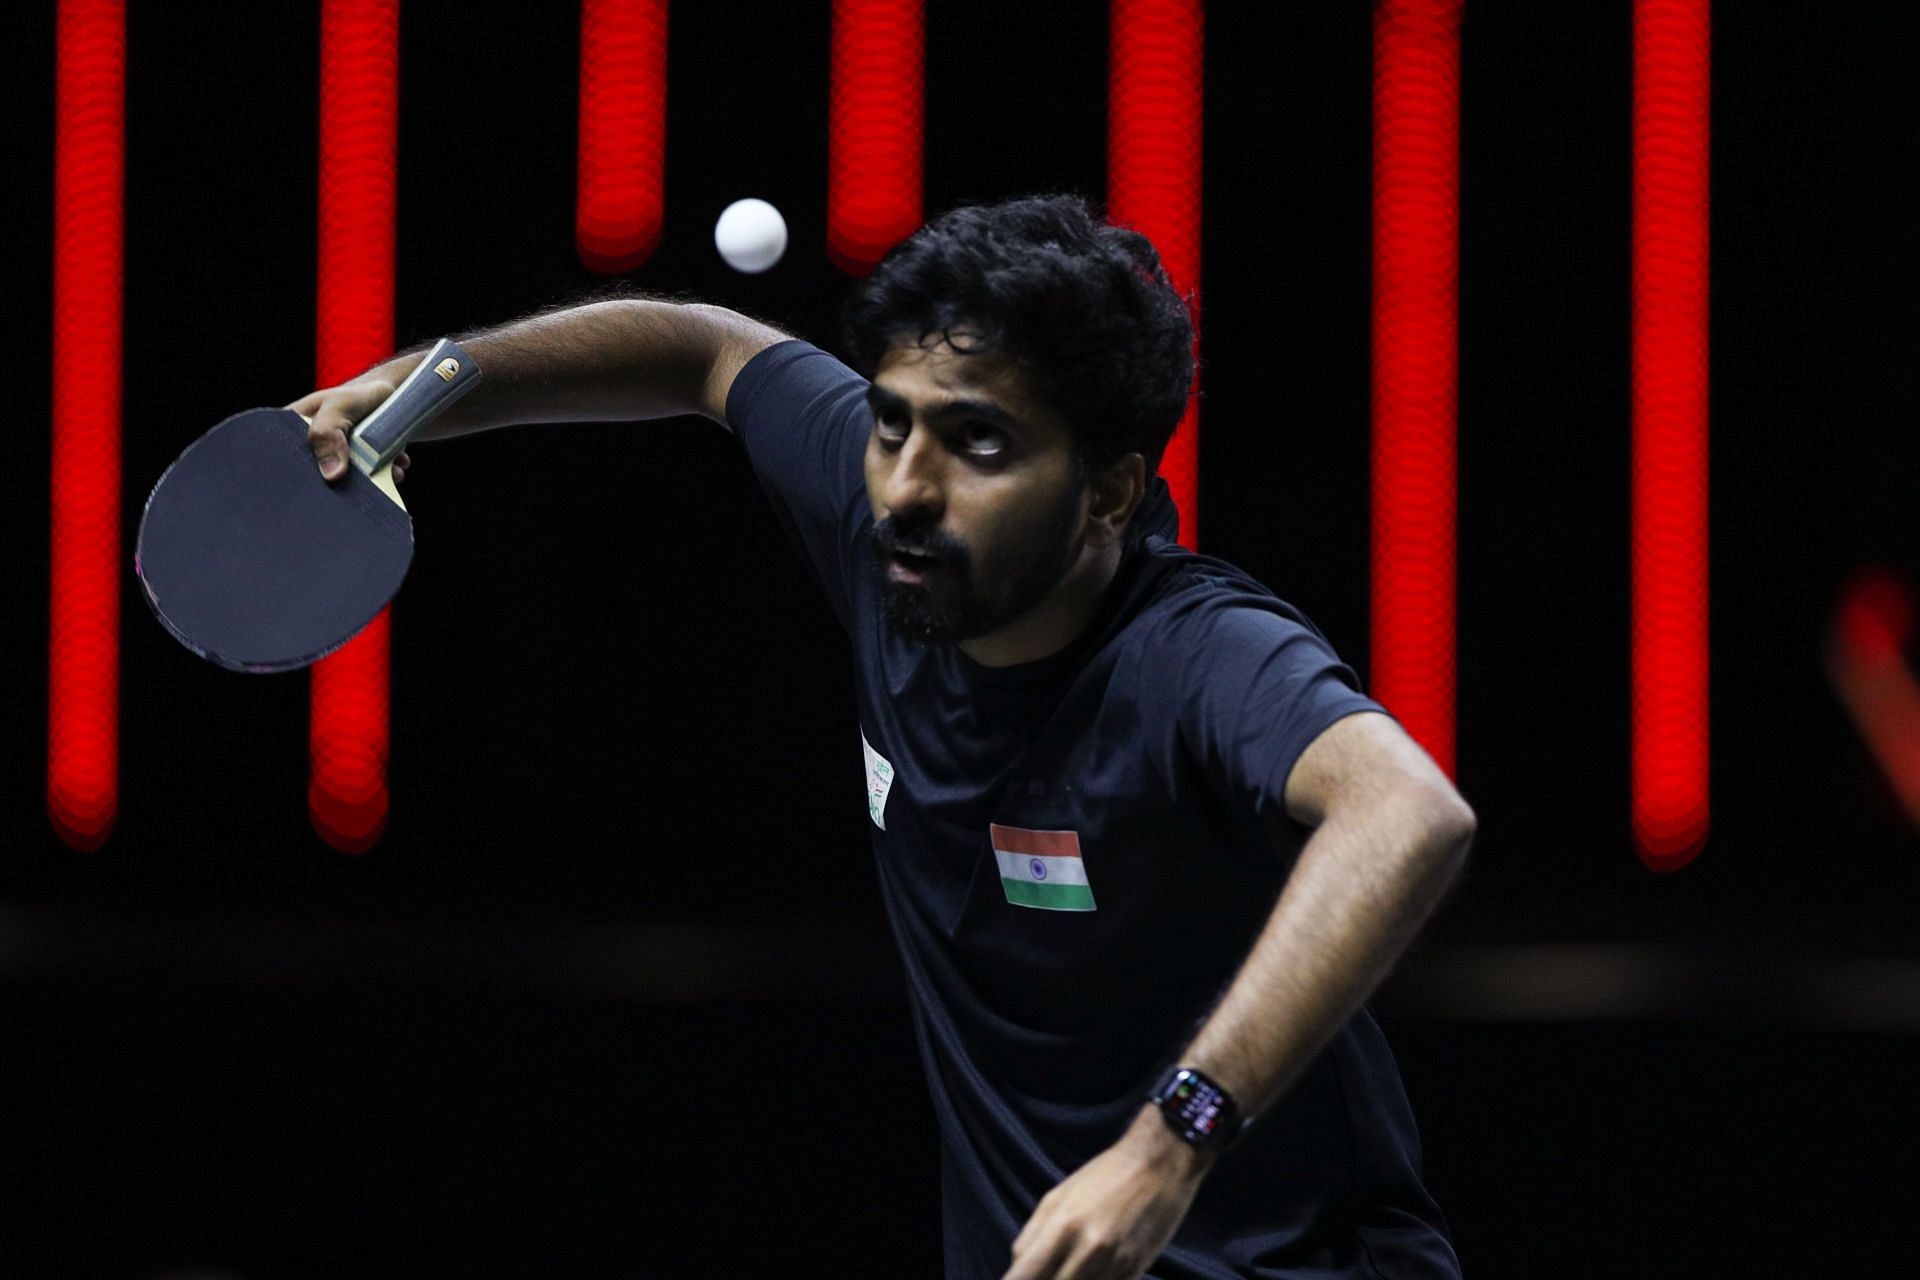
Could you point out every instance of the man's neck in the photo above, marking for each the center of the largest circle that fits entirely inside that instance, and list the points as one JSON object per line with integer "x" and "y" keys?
{"x": 1055, "y": 622}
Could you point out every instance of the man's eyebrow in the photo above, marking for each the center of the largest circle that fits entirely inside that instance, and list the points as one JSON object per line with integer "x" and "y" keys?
{"x": 973, "y": 409}
{"x": 880, "y": 398}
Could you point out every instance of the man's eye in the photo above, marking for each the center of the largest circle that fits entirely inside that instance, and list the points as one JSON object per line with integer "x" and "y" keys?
{"x": 984, "y": 440}
{"x": 890, "y": 424}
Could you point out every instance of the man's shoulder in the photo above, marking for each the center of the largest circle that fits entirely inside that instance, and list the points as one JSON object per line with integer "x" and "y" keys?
{"x": 1188, "y": 603}
{"x": 787, "y": 377}
{"x": 786, "y": 355}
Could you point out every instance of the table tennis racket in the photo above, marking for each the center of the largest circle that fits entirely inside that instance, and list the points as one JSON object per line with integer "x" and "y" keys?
{"x": 254, "y": 561}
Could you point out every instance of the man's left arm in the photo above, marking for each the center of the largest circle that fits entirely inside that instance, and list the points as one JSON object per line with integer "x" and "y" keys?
{"x": 1389, "y": 835}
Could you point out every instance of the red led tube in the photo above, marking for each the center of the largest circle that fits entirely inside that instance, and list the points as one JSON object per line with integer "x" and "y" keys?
{"x": 83, "y": 633}
{"x": 1669, "y": 359}
{"x": 1416, "y": 304}
{"x": 875, "y": 129}
{"x": 623, "y": 132}
{"x": 1154, "y": 91}
{"x": 359, "y": 113}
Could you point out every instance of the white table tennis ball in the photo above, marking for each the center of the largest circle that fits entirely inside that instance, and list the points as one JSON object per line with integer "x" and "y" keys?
{"x": 751, "y": 235}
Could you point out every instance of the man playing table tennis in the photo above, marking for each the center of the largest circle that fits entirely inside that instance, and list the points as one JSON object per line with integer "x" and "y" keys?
{"x": 1144, "y": 845}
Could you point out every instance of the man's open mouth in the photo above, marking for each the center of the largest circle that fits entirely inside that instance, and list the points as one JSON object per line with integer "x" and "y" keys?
{"x": 913, "y": 567}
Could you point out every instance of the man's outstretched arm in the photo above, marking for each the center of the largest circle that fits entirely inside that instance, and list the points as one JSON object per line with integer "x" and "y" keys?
{"x": 619, "y": 360}
{"x": 1390, "y": 833}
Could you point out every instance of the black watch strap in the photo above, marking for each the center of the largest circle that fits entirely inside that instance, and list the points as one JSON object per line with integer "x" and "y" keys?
{"x": 1197, "y": 1108}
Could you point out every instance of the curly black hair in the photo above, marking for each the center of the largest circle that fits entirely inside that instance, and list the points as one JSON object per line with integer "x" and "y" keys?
{"x": 1083, "y": 309}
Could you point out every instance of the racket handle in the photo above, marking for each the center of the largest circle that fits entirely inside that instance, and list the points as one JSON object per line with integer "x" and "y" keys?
{"x": 436, "y": 382}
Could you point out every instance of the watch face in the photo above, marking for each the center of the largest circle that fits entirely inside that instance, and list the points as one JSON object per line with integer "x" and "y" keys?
{"x": 1197, "y": 1104}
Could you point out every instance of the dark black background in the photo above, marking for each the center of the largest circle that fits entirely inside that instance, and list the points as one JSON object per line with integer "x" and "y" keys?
{"x": 613, "y": 995}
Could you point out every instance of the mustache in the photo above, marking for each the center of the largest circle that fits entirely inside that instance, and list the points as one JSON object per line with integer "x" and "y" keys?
{"x": 891, "y": 534}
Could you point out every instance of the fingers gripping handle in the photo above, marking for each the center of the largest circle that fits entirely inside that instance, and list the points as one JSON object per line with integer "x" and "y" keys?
{"x": 436, "y": 382}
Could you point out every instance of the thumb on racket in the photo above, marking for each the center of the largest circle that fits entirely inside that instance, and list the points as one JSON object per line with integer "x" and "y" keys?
{"x": 331, "y": 414}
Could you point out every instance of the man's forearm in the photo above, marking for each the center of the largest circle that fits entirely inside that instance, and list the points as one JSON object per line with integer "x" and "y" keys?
{"x": 1368, "y": 876}
{"x": 1366, "y": 880}
{"x": 618, "y": 360}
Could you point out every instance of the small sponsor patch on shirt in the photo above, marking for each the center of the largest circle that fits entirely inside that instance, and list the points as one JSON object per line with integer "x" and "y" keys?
{"x": 1042, "y": 869}
{"x": 879, "y": 782}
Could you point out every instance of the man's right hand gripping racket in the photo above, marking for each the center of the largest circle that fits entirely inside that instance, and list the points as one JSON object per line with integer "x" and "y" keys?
{"x": 252, "y": 560}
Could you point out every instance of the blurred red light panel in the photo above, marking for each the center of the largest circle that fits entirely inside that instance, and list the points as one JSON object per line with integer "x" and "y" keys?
{"x": 1867, "y": 662}
{"x": 1156, "y": 74}
{"x": 83, "y": 634}
{"x": 875, "y": 129}
{"x": 1669, "y": 362}
{"x": 1416, "y": 303}
{"x": 359, "y": 124}
{"x": 623, "y": 132}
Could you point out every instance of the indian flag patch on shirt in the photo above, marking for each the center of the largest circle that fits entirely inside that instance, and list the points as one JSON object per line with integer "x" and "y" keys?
{"x": 1042, "y": 869}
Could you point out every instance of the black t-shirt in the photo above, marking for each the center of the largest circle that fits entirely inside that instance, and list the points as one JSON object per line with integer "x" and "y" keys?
{"x": 1075, "y": 856}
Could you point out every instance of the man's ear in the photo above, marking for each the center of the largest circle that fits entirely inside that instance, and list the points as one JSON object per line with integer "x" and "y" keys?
{"x": 1114, "y": 493}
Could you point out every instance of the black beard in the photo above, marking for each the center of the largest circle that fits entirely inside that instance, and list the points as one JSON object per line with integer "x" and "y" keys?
{"x": 943, "y": 608}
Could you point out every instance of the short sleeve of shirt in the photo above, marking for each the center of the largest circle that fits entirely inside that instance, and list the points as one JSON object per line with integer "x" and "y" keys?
{"x": 1267, "y": 686}
{"x": 803, "y": 418}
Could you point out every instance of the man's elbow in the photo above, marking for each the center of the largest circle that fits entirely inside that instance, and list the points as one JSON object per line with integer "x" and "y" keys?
{"x": 1447, "y": 822}
{"x": 1459, "y": 823}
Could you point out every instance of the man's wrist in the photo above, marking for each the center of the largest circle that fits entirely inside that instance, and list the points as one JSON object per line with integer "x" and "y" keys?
{"x": 1161, "y": 1147}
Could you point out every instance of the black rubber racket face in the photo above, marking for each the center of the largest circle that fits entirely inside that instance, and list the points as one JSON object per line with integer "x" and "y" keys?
{"x": 253, "y": 561}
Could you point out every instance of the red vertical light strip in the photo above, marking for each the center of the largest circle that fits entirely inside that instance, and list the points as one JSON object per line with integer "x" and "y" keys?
{"x": 1416, "y": 305}
{"x": 875, "y": 130}
{"x": 1670, "y": 105}
{"x": 1155, "y": 68}
{"x": 359, "y": 113}
{"x": 623, "y": 132}
{"x": 83, "y": 633}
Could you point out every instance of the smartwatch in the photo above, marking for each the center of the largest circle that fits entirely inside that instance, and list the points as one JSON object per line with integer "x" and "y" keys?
{"x": 1200, "y": 1111}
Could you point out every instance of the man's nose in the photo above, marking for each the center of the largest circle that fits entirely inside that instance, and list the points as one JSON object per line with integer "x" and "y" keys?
{"x": 913, "y": 481}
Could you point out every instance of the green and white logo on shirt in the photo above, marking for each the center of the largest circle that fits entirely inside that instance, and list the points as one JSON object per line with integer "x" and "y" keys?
{"x": 879, "y": 782}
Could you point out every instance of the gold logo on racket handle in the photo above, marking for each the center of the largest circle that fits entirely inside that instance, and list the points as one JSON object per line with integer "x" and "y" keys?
{"x": 447, "y": 368}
